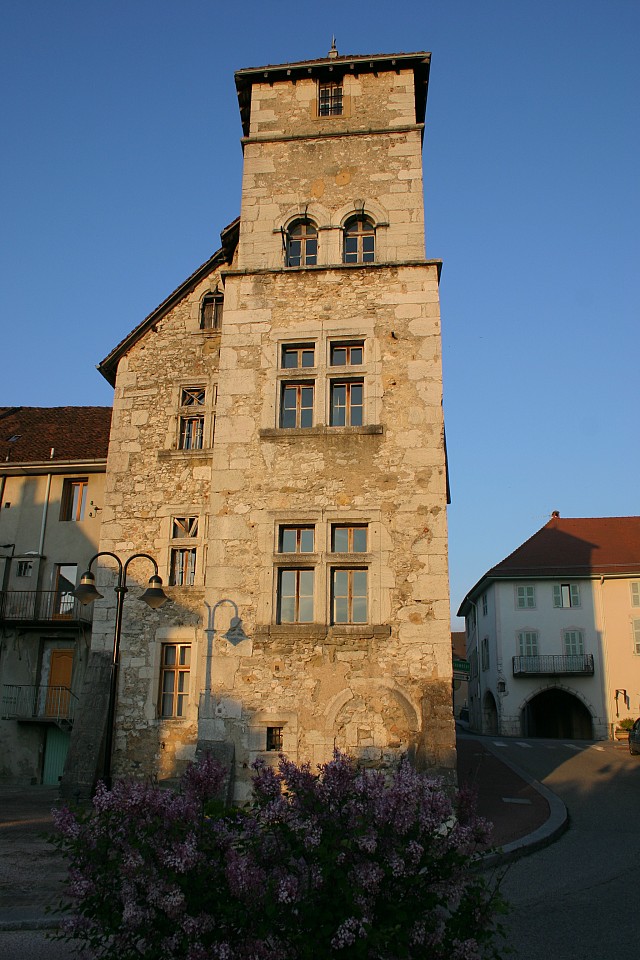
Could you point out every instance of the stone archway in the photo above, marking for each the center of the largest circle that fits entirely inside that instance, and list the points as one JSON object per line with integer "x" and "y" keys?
{"x": 556, "y": 714}
{"x": 489, "y": 715}
{"x": 376, "y": 726}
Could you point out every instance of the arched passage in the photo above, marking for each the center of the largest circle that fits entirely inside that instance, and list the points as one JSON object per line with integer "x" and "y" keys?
{"x": 557, "y": 714}
{"x": 489, "y": 715}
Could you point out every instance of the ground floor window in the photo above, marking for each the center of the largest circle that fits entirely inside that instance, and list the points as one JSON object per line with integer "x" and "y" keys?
{"x": 174, "y": 679}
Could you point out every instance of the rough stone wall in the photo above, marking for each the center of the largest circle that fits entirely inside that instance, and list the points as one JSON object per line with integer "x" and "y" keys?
{"x": 378, "y": 689}
{"x": 293, "y": 162}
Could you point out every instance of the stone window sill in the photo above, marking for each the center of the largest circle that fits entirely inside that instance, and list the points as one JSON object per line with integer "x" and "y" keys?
{"x": 292, "y": 433}
{"x": 204, "y": 454}
{"x": 319, "y": 631}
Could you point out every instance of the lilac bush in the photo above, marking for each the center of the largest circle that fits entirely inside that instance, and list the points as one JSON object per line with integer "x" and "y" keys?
{"x": 343, "y": 863}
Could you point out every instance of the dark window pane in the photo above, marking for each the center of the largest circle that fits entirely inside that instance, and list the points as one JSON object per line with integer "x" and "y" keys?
{"x": 307, "y": 358}
{"x": 340, "y": 539}
{"x": 339, "y": 356}
{"x": 306, "y": 541}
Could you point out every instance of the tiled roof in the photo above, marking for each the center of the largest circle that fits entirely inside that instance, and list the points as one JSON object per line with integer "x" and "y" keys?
{"x": 576, "y": 545}
{"x": 571, "y": 547}
{"x": 30, "y": 434}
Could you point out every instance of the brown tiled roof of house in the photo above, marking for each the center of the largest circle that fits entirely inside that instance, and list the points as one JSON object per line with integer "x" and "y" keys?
{"x": 588, "y": 545}
{"x": 30, "y": 434}
{"x": 571, "y": 547}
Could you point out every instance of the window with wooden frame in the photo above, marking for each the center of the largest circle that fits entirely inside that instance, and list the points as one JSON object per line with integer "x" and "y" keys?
{"x": 211, "y": 311}
{"x": 175, "y": 671}
{"x": 182, "y": 572}
{"x": 301, "y": 244}
{"x": 74, "y": 498}
{"x": 330, "y": 99}
{"x": 192, "y": 418}
{"x": 349, "y": 538}
{"x": 24, "y": 568}
{"x": 349, "y": 595}
{"x": 296, "y": 539}
{"x": 295, "y": 596}
{"x": 296, "y": 405}
{"x": 347, "y": 403}
{"x": 347, "y": 354}
{"x": 359, "y": 240}
{"x": 297, "y": 356}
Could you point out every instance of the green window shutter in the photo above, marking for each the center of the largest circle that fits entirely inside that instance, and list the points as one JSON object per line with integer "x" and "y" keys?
{"x": 635, "y": 594}
{"x": 636, "y": 636}
{"x": 575, "y": 595}
{"x": 557, "y": 595}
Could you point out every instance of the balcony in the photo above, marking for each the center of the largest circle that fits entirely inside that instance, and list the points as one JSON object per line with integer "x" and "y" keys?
{"x": 36, "y": 607}
{"x": 571, "y": 665}
{"x": 32, "y": 703}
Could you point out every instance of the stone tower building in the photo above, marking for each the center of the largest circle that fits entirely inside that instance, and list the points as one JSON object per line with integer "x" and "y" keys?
{"x": 278, "y": 444}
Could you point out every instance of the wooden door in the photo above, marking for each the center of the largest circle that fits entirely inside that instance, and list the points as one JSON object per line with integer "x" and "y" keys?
{"x": 60, "y": 672}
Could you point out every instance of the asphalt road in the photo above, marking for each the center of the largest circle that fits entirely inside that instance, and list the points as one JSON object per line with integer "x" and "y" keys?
{"x": 576, "y": 900}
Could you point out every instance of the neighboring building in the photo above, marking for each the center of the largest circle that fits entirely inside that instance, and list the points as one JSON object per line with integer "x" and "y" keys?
{"x": 52, "y": 465}
{"x": 461, "y": 672}
{"x": 553, "y": 632}
{"x": 278, "y": 441}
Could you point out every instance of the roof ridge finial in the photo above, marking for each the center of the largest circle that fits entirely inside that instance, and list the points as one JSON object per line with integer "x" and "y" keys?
{"x": 333, "y": 53}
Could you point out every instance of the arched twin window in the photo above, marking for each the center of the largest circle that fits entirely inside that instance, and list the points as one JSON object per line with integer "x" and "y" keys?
{"x": 302, "y": 244}
{"x": 359, "y": 244}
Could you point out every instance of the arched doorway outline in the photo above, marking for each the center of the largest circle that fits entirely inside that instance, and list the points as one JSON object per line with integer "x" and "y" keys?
{"x": 560, "y": 688}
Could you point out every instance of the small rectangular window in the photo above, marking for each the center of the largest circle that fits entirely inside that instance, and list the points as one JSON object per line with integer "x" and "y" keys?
{"x": 296, "y": 357}
{"x": 525, "y": 597}
{"x": 295, "y": 596}
{"x": 349, "y": 539}
{"x": 484, "y": 605}
{"x": 211, "y": 312}
{"x": 275, "y": 738}
{"x": 347, "y": 404}
{"x": 297, "y": 539}
{"x": 74, "y": 499}
{"x": 192, "y": 433}
{"x": 636, "y": 636}
{"x": 330, "y": 100}
{"x": 174, "y": 679}
{"x": 296, "y": 408}
{"x": 349, "y": 595}
{"x": 192, "y": 397}
{"x": 347, "y": 355}
{"x": 24, "y": 568}
{"x": 183, "y": 567}
{"x": 635, "y": 594}
{"x": 182, "y": 527}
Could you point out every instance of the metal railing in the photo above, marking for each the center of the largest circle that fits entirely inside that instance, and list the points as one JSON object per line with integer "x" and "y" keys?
{"x": 56, "y": 704}
{"x": 576, "y": 664}
{"x": 41, "y": 606}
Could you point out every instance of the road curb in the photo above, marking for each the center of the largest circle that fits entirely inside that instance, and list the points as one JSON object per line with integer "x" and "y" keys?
{"x": 549, "y": 832}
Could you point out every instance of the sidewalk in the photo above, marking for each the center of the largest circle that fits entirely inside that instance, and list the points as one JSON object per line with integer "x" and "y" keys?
{"x": 525, "y": 816}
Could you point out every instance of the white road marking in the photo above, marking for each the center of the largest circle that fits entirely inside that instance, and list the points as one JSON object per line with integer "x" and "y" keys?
{"x": 521, "y": 743}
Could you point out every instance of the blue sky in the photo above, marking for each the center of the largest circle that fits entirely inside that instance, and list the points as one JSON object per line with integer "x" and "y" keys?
{"x": 121, "y": 163}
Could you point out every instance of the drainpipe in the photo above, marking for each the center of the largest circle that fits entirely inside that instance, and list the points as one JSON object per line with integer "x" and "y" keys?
{"x": 45, "y": 509}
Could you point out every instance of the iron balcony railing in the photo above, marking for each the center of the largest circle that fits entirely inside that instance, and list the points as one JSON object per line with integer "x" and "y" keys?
{"x": 52, "y": 704}
{"x": 41, "y": 606}
{"x": 573, "y": 664}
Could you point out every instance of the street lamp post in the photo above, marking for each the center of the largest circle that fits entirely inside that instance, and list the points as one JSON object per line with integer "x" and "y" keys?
{"x": 154, "y": 596}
